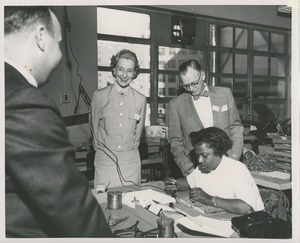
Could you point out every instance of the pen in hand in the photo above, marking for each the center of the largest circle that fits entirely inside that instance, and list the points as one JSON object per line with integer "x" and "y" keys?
{"x": 174, "y": 194}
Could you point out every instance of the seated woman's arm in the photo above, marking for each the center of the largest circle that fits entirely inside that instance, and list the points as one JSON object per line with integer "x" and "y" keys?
{"x": 182, "y": 184}
{"x": 235, "y": 206}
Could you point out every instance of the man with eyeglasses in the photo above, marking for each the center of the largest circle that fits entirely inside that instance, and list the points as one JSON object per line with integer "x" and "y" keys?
{"x": 201, "y": 106}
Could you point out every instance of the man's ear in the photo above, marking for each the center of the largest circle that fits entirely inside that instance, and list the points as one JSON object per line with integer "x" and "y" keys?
{"x": 40, "y": 37}
{"x": 202, "y": 75}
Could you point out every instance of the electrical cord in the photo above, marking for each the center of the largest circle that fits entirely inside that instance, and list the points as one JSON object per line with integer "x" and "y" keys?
{"x": 68, "y": 26}
{"x": 104, "y": 148}
{"x": 81, "y": 90}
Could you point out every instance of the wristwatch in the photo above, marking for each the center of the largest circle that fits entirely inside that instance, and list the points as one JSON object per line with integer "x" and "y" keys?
{"x": 214, "y": 202}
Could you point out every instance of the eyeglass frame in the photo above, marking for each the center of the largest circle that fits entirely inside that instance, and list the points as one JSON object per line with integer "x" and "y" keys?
{"x": 192, "y": 84}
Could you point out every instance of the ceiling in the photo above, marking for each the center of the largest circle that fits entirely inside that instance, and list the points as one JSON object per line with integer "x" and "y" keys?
{"x": 258, "y": 14}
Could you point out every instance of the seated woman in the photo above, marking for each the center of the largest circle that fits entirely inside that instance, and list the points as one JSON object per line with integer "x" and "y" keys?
{"x": 218, "y": 180}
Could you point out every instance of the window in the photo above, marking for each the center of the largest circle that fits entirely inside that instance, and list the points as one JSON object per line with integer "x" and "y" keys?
{"x": 252, "y": 61}
{"x": 172, "y": 64}
{"x": 161, "y": 65}
{"x": 162, "y": 51}
{"x": 110, "y": 42}
{"x": 115, "y": 25}
{"x": 172, "y": 91}
{"x": 172, "y": 51}
{"x": 261, "y": 82}
{"x": 170, "y": 72}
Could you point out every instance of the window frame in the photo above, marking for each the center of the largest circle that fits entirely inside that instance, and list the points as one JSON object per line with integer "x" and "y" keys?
{"x": 155, "y": 100}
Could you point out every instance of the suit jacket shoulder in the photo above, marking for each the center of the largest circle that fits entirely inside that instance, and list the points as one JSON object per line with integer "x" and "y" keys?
{"x": 39, "y": 161}
{"x": 219, "y": 89}
{"x": 180, "y": 98}
{"x": 14, "y": 81}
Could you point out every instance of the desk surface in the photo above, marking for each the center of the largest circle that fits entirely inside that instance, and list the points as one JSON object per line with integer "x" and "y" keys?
{"x": 143, "y": 224}
{"x": 274, "y": 183}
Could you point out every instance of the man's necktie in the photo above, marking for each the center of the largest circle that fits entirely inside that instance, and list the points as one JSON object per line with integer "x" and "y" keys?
{"x": 203, "y": 94}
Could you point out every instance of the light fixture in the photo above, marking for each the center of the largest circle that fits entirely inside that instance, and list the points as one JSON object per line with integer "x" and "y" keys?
{"x": 183, "y": 30}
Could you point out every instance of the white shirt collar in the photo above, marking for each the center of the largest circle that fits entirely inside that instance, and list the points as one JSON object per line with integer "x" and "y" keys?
{"x": 23, "y": 71}
{"x": 121, "y": 90}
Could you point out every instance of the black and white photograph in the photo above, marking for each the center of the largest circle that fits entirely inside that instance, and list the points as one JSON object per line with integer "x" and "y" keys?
{"x": 129, "y": 119}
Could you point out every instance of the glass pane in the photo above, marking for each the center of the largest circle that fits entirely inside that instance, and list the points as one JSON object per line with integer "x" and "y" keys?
{"x": 162, "y": 113}
{"x": 224, "y": 35}
{"x": 266, "y": 89}
{"x": 278, "y": 110}
{"x": 241, "y": 38}
{"x": 106, "y": 49}
{"x": 221, "y": 36}
{"x": 277, "y": 67}
{"x": 167, "y": 85}
{"x": 261, "y": 65}
{"x": 241, "y": 64}
{"x": 224, "y": 82}
{"x": 112, "y": 22}
{"x": 277, "y": 43}
{"x": 240, "y": 88}
{"x": 260, "y": 41}
{"x": 170, "y": 58}
{"x": 221, "y": 62}
{"x": 141, "y": 83}
{"x": 105, "y": 79}
{"x": 265, "y": 112}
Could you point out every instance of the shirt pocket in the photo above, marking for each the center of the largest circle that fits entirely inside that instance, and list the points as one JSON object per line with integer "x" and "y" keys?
{"x": 134, "y": 117}
{"x": 106, "y": 118}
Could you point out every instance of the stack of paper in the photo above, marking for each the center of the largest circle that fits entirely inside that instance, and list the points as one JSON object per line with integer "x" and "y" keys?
{"x": 207, "y": 225}
{"x": 145, "y": 197}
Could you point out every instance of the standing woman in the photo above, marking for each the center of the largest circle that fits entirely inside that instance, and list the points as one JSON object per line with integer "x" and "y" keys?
{"x": 118, "y": 117}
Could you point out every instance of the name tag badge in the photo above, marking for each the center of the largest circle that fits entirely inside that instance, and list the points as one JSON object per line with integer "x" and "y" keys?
{"x": 137, "y": 117}
{"x": 224, "y": 108}
{"x": 215, "y": 108}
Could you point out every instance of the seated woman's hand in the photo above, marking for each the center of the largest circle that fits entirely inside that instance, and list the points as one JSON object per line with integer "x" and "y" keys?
{"x": 199, "y": 195}
{"x": 169, "y": 181}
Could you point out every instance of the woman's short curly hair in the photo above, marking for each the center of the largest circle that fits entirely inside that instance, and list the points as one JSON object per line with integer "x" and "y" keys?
{"x": 127, "y": 54}
{"x": 214, "y": 137}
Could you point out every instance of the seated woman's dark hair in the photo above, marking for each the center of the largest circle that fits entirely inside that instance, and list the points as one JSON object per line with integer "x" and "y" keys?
{"x": 214, "y": 137}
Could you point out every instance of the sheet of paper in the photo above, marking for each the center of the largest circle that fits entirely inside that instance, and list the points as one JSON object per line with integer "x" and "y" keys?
{"x": 276, "y": 174}
{"x": 207, "y": 225}
{"x": 145, "y": 197}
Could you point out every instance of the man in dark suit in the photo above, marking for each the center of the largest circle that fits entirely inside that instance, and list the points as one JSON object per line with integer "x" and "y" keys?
{"x": 200, "y": 107}
{"x": 45, "y": 193}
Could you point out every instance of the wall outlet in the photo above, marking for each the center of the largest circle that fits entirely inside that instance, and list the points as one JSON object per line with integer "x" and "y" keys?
{"x": 65, "y": 97}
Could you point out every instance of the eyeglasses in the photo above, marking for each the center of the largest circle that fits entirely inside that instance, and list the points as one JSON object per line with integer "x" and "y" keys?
{"x": 193, "y": 84}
